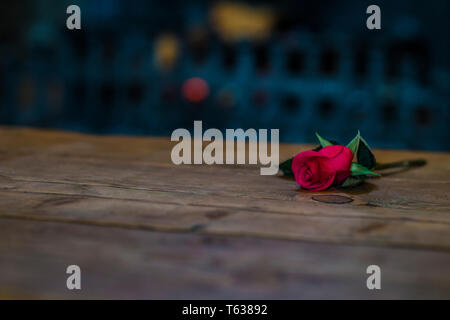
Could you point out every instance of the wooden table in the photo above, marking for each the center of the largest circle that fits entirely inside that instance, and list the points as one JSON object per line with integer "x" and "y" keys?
{"x": 140, "y": 227}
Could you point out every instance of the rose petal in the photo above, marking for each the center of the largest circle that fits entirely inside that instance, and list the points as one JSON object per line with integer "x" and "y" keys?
{"x": 341, "y": 156}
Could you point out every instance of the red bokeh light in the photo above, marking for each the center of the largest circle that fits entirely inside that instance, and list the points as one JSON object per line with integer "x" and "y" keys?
{"x": 195, "y": 89}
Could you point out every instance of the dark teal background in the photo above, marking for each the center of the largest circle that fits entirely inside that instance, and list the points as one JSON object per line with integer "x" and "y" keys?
{"x": 321, "y": 69}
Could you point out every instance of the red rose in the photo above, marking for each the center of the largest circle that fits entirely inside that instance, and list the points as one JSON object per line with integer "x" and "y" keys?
{"x": 318, "y": 170}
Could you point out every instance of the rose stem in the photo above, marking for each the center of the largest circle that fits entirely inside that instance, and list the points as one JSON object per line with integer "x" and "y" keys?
{"x": 398, "y": 164}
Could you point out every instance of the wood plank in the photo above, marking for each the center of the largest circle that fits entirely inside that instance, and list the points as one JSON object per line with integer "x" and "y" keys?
{"x": 68, "y": 176}
{"x": 221, "y": 220}
{"x": 18, "y": 142}
{"x": 124, "y": 263}
{"x": 141, "y": 227}
{"x": 228, "y": 182}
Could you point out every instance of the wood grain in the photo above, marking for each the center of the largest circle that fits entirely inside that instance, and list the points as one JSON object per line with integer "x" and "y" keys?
{"x": 130, "y": 263}
{"x": 69, "y": 183}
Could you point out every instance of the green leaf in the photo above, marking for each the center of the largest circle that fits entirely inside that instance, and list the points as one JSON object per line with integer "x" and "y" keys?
{"x": 323, "y": 142}
{"x": 354, "y": 144}
{"x": 319, "y": 147}
{"x": 286, "y": 167}
{"x": 358, "y": 170}
{"x": 352, "y": 181}
{"x": 364, "y": 155}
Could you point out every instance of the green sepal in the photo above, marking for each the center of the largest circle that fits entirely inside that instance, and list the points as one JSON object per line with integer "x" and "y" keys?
{"x": 354, "y": 144}
{"x": 286, "y": 167}
{"x": 323, "y": 142}
{"x": 319, "y": 147}
{"x": 364, "y": 155}
{"x": 358, "y": 170}
{"x": 352, "y": 181}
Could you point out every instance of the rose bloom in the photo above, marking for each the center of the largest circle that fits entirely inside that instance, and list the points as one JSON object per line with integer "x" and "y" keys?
{"x": 318, "y": 170}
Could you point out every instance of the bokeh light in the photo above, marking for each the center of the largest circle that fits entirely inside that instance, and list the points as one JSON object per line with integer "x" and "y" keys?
{"x": 195, "y": 89}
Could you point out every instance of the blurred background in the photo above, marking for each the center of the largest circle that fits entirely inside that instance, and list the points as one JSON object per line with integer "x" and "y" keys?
{"x": 149, "y": 67}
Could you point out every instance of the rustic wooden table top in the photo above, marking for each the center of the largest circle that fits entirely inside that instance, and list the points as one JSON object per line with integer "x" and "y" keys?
{"x": 141, "y": 227}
